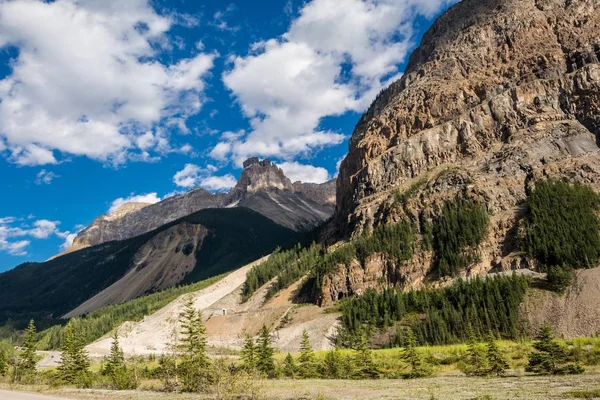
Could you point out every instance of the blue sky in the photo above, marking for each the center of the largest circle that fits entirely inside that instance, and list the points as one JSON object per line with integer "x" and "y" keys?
{"x": 104, "y": 101}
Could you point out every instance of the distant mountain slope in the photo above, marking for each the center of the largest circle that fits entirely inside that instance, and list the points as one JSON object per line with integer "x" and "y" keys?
{"x": 204, "y": 244}
{"x": 262, "y": 187}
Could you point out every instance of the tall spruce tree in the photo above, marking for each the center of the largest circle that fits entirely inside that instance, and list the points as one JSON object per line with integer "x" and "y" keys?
{"x": 335, "y": 365}
{"x": 3, "y": 363}
{"x": 362, "y": 363}
{"x": 116, "y": 358}
{"x": 27, "y": 358}
{"x": 289, "y": 366}
{"x": 307, "y": 367}
{"x": 549, "y": 357}
{"x": 265, "y": 362}
{"x": 474, "y": 362}
{"x": 74, "y": 363}
{"x": 195, "y": 371}
{"x": 497, "y": 365}
{"x": 249, "y": 353}
{"x": 411, "y": 356}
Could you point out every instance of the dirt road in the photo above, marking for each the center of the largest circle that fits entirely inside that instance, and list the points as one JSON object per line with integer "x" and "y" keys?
{"x": 8, "y": 395}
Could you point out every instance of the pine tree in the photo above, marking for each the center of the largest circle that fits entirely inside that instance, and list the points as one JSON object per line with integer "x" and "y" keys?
{"x": 3, "y": 363}
{"x": 307, "y": 367}
{"x": 195, "y": 369}
{"x": 249, "y": 353}
{"x": 411, "y": 356}
{"x": 265, "y": 362}
{"x": 474, "y": 363}
{"x": 549, "y": 356}
{"x": 27, "y": 357}
{"x": 496, "y": 362}
{"x": 75, "y": 363}
{"x": 334, "y": 365}
{"x": 116, "y": 359}
{"x": 289, "y": 366}
{"x": 363, "y": 364}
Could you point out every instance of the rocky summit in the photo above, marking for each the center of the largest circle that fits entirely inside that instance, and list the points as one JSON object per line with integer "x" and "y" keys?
{"x": 498, "y": 95}
{"x": 262, "y": 187}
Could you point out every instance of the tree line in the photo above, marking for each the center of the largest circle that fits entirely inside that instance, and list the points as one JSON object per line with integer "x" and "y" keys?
{"x": 562, "y": 229}
{"x": 438, "y": 316}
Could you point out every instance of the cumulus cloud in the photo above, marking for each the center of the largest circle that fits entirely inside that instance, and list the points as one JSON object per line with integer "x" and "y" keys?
{"x": 13, "y": 234}
{"x": 87, "y": 81}
{"x": 304, "y": 173}
{"x": 193, "y": 175}
{"x": 150, "y": 198}
{"x": 45, "y": 177}
{"x": 334, "y": 58}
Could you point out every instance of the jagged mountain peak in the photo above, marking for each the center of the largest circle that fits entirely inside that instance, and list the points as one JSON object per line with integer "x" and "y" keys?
{"x": 262, "y": 175}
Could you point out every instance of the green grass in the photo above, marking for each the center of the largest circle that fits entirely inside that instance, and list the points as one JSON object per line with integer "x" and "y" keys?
{"x": 585, "y": 394}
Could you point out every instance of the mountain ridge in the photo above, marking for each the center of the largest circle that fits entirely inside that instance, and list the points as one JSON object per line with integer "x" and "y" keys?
{"x": 262, "y": 186}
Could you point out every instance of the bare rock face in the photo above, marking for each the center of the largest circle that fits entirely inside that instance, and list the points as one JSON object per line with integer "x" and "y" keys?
{"x": 499, "y": 93}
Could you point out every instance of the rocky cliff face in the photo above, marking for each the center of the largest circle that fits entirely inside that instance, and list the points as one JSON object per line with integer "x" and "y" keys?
{"x": 499, "y": 94}
{"x": 262, "y": 187}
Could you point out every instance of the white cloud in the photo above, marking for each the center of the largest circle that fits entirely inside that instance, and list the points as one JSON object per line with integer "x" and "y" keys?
{"x": 334, "y": 58}
{"x": 69, "y": 238}
{"x": 193, "y": 175}
{"x": 87, "y": 81}
{"x": 45, "y": 177}
{"x": 150, "y": 198}
{"x": 188, "y": 177}
{"x": 304, "y": 173}
{"x": 12, "y": 233}
{"x": 218, "y": 183}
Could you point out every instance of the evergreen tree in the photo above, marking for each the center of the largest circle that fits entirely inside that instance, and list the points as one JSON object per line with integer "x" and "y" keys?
{"x": 27, "y": 357}
{"x": 549, "y": 356}
{"x": 75, "y": 363}
{"x": 3, "y": 363}
{"x": 265, "y": 363}
{"x": 411, "y": 356}
{"x": 289, "y": 366}
{"x": 116, "y": 359}
{"x": 474, "y": 363}
{"x": 334, "y": 365}
{"x": 195, "y": 369}
{"x": 496, "y": 362}
{"x": 363, "y": 365}
{"x": 307, "y": 367}
{"x": 121, "y": 378}
{"x": 249, "y": 353}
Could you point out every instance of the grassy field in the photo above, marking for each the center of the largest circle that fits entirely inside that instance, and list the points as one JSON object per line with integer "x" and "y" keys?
{"x": 448, "y": 383}
{"x": 444, "y": 387}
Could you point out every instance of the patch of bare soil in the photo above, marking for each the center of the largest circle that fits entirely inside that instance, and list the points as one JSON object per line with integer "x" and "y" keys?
{"x": 572, "y": 314}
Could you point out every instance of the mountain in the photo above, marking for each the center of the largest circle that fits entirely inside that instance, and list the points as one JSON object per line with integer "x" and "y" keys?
{"x": 204, "y": 244}
{"x": 262, "y": 187}
{"x": 499, "y": 95}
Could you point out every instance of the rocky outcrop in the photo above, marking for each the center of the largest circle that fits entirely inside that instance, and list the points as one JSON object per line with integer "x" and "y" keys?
{"x": 499, "y": 94}
{"x": 262, "y": 187}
